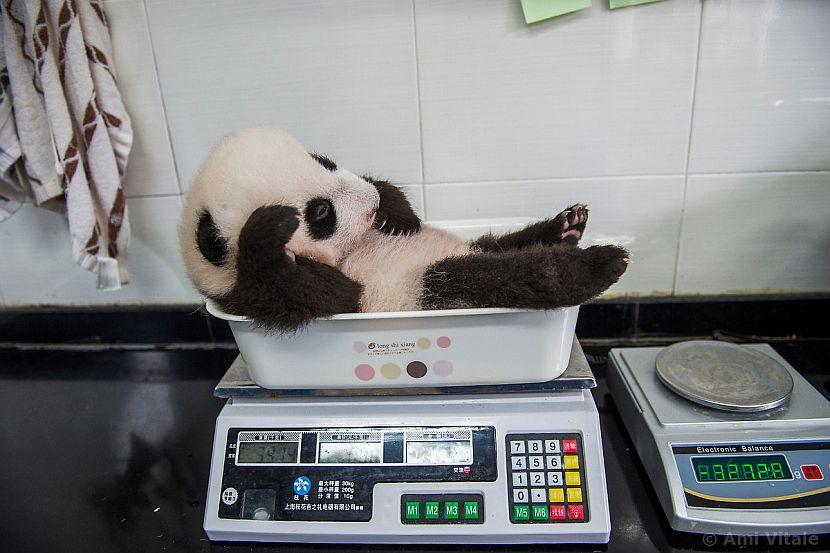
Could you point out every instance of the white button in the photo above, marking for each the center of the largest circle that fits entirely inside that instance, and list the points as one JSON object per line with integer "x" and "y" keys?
{"x": 229, "y": 496}
{"x": 554, "y": 479}
{"x": 553, "y": 462}
{"x": 552, "y": 446}
{"x": 519, "y": 495}
{"x": 517, "y": 446}
{"x": 520, "y": 479}
{"x": 518, "y": 462}
{"x": 537, "y": 478}
{"x": 537, "y": 495}
{"x": 534, "y": 446}
{"x": 536, "y": 462}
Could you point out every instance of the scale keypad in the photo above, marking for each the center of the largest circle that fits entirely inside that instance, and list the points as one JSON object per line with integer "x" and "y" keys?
{"x": 546, "y": 478}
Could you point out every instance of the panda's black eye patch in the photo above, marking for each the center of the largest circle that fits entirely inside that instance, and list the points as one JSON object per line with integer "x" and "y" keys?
{"x": 320, "y": 218}
{"x": 325, "y": 162}
{"x": 210, "y": 241}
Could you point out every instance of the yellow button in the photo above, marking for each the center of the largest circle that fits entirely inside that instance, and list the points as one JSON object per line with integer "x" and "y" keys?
{"x": 572, "y": 478}
{"x": 571, "y": 462}
{"x": 556, "y": 495}
{"x": 574, "y": 495}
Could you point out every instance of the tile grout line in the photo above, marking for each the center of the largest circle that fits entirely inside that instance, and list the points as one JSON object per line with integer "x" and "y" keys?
{"x": 418, "y": 111}
{"x": 688, "y": 153}
{"x": 161, "y": 98}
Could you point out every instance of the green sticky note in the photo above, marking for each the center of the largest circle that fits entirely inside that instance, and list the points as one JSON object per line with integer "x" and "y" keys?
{"x": 614, "y": 4}
{"x": 539, "y": 10}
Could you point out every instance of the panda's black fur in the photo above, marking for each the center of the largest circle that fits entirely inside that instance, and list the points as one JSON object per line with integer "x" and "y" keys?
{"x": 298, "y": 243}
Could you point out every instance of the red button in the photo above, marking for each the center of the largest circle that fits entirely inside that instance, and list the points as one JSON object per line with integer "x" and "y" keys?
{"x": 811, "y": 472}
{"x": 557, "y": 512}
{"x": 575, "y": 512}
{"x": 569, "y": 446}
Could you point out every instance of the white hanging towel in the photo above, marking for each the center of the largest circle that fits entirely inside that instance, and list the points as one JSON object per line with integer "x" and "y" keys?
{"x": 74, "y": 133}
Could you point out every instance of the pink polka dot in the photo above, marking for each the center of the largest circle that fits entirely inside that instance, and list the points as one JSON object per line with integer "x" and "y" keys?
{"x": 442, "y": 368}
{"x": 359, "y": 347}
{"x": 443, "y": 342}
{"x": 364, "y": 372}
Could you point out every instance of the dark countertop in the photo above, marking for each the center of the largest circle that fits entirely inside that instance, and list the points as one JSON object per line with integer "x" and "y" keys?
{"x": 109, "y": 451}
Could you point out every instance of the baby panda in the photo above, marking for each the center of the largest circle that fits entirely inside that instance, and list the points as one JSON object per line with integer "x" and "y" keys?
{"x": 283, "y": 236}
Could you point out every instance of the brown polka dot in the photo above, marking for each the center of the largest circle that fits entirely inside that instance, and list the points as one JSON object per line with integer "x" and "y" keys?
{"x": 424, "y": 343}
{"x": 416, "y": 369}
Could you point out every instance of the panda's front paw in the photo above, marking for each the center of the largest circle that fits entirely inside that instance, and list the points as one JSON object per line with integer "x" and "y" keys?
{"x": 399, "y": 224}
{"x": 266, "y": 232}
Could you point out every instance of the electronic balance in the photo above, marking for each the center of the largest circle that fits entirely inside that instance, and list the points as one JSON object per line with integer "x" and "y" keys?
{"x": 745, "y": 450}
{"x": 465, "y": 464}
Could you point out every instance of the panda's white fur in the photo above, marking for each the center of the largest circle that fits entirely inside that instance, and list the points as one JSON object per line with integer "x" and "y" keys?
{"x": 263, "y": 166}
{"x": 391, "y": 268}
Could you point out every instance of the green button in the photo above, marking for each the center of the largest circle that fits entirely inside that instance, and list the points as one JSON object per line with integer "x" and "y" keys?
{"x": 431, "y": 509}
{"x": 413, "y": 510}
{"x": 471, "y": 509}
{"x": 521, "y": 512}
{"x": 540, "y": 512}
{"x": 451, "y": 510}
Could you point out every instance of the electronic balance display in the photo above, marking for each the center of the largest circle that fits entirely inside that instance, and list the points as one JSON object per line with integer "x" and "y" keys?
{"x": 786, "y": 475}
{"x": 328, "y": 474}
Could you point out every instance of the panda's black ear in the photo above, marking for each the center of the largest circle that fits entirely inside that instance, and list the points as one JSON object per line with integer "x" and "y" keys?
{"x": 210, "y": 241}
{"x": 324, "y": 161}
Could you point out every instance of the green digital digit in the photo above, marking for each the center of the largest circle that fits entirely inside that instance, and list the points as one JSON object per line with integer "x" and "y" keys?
{"x": 777, "y": 470}
{"x": 703, "y": 473}
{"x": 749, "y": 473}
{"x": 718, "y": 470}
{"x": 763, "y": 471}
{"x": 732, "y": 472}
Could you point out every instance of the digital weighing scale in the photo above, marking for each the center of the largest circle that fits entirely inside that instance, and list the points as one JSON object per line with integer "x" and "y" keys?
{"x": 722, "y": 461}
{"x": 483, "y": 464}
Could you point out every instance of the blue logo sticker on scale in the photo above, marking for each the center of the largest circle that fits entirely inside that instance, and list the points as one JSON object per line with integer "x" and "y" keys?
{"x": 302, "y": 485}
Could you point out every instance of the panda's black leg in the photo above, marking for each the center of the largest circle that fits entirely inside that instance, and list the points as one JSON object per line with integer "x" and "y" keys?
{"x": 537, "y": 277}
{"x": 395, "y": 214}
{"x": 278, "y": 290}
{"x": 566, "y": 228}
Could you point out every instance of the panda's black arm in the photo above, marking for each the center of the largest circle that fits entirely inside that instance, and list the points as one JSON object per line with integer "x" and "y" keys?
{"x": 276, "y": 290}
{"x": 566, "y": 228}
{"x": 395, "y": 214}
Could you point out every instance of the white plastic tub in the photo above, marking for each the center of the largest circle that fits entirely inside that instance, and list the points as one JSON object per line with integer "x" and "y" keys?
{"x": 455, "y": 347}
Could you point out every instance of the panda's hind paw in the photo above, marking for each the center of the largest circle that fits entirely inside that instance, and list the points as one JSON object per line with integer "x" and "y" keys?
{"x": 572, "y": 221}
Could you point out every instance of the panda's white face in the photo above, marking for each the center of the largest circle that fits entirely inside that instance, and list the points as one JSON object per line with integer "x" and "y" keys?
{"x": 261, "y": 167}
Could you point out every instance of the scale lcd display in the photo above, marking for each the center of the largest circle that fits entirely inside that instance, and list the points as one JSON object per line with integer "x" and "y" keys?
{"x": 351, "y": 453}
{"x": 742, "y": 468}
{"x": 439, "y": 453}
{"x": 268, "y": 452}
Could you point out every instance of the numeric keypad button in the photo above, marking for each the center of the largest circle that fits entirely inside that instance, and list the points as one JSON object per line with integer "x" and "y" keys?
{"x": 552, "y": 446}
{"x": 534, "y": 447}
{"x": 555, "y": 478}
{"x": 520, "y": 479}
{"x": 537, "y": 478}
{"x": 518, "y": 462}
{"x": 553, "y": 462}
{"x": 537, "y": 495}
{"x": 517, "y": 447}
{"x": 520, "y": 495}
{"x": 536, "y": 462}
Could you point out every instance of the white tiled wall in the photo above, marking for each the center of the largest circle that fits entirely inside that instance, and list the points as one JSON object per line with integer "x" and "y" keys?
{"x": 698, "y": 132}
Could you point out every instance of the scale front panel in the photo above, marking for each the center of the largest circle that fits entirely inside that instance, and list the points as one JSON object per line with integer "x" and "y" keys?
{"x": 760, "y": 475}
{"x": 426, "y": 470}
{"x": 329, "y": 474}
